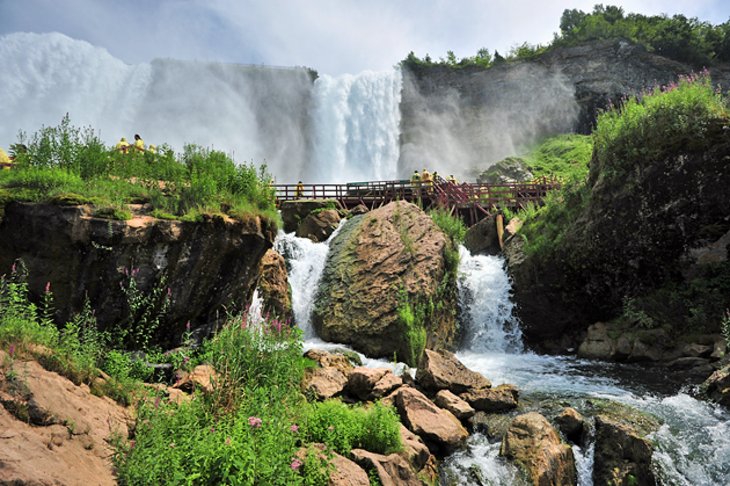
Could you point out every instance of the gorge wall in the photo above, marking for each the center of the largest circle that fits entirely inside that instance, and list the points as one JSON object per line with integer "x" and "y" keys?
{"x": 205, "y": 268}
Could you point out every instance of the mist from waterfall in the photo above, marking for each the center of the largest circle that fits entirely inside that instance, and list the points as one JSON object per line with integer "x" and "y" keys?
{"x": 335, "y": 129}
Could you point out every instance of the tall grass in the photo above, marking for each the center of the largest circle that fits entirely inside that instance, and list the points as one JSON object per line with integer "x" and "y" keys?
{"x": 69, "y": 164}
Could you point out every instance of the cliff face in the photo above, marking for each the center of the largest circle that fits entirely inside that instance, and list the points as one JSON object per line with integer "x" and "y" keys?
{"x": 208, "y": 267}
{"x": 661, "y": 231}
{"x": 461, "y": 120}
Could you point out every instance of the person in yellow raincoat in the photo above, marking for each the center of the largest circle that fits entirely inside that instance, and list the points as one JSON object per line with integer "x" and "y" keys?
{"x": 138, "y": 142}
{"x": 123, "y": 145}
{"x": 5, "y": 162}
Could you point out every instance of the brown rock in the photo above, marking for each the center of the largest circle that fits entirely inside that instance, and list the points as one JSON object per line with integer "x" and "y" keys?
{"x": 441, "y": 370}
{"x": 414, "y": 450}
{"x": 493, "y": 400}
{"x": 273, "y": 286}
{"x": 203, "y": 377}
{"x": 392, "y": 470}
{"x": 319, "y": 225}
{"x": 330, "y": 360}
{"x": 717, "y": 386}
{"x": 460, "y": 408}
{"x": 362, "y": 381}
{"x": 597, "y": 344}
{"x": 571, "y": 423}
{"x": 534, "y": 444}
{"x": 344, "y": 471}
{"x": 622, "y": 454}
{"x": 359, "y": 209}
{"x": 323, "y": 383}
{"x": 74, "y": 449}
{"x": 481, "y": 238}
{"x": 292, "y": 212}
{"x": 697, "y": 350}
{"x": 440, "y": 430}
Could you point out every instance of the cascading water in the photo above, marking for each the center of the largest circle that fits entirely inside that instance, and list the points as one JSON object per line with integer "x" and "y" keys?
{"x": 692, "y": 445}
{"x": 333, "y": 130}
{"x": 356, "y": 123}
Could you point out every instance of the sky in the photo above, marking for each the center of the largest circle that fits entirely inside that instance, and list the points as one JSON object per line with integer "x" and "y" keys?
{"x": 332, "y": 36}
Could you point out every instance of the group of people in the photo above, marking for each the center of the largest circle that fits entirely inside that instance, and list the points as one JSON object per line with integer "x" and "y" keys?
{"x": 427, "y": 180}
{"x": 125, "y": 147}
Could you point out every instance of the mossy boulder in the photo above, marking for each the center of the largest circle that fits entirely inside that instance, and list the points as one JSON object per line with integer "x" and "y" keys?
{"x": 386, "y": 289}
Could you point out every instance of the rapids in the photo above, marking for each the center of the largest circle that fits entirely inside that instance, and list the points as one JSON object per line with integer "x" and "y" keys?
{"x": 692, "y": 445}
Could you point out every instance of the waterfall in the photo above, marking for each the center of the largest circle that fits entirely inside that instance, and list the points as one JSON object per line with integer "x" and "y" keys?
{"x": 357, "y": 122}
{"x": 305, "y": 261}
{"x": 333, "y": 130}
{"x": 484, "y": 297}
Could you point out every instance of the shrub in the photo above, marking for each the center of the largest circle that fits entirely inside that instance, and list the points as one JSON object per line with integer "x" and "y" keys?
{"x": 343, "y": 427}
{"x": 452, "y": 226}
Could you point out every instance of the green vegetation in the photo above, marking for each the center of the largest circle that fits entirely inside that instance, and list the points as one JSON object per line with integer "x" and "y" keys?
{"x": 678, "y": 37}
{"x": 69, "y": 165}
{"x": 627, "y": 138}
{"x": 565, "y": 157}
{"x": 255, "y": 427}
{"x": 413, "y": 317}
{"x": 452, "y": 226}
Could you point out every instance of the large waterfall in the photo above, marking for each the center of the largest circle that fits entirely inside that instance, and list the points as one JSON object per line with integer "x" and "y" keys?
{"x": 330, "y": 130}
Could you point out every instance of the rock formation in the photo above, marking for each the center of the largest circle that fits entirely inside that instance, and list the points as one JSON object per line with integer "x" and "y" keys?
{"x": 376, "y": 260}
{"x": 535, "y": 445}
{"x": 274, "y": 287}
{"x": 202, "y": 267}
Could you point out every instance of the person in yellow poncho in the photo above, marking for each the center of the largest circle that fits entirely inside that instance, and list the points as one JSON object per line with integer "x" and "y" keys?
{"x": 152, "y": 149}
{"x": 123, "y": 145}
{"x": 5, "y": 161}
{"x": 138, "y": 142}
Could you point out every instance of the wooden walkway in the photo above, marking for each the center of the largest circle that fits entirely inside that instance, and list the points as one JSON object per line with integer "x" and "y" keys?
{"x": 470, "y": 201}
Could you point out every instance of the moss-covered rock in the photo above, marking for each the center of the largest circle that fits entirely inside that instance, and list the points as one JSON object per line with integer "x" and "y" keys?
{"x": 386, "y": 288}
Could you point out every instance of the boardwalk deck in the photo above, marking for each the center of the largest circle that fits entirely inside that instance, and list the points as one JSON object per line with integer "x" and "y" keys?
{"x": 471, "y": 201}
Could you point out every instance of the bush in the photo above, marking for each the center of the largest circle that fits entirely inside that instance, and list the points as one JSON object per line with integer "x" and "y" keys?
{"x": 343, "y": 427}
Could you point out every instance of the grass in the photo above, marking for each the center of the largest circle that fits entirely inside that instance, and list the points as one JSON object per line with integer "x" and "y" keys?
{"x": 65, "y": 164}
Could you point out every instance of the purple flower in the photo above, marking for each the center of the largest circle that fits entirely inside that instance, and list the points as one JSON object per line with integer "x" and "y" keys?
{"x": 157, "y": 402}
{"x": 48, "y": 287}
{"x": 295, "y": 464}
{"x": 254, "y": 422}
{"x": 187, "y": 326}
{"x": 11, "y": 350}
{"x": 294, "y": 428}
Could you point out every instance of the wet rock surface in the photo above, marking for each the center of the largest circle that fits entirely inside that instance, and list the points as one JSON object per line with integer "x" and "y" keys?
{"x": 274, "y": 287}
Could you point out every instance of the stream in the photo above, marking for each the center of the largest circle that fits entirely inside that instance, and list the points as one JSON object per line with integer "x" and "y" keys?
{"x": 692, "y": 444}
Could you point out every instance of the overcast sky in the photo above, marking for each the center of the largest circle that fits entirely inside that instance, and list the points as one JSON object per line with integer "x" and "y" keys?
{"x": 331, "y": 36}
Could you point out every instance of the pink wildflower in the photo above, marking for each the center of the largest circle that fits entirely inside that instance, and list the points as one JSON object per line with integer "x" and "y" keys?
{"x": 294, "y": 428}
{"x": 295, "y": 464}
{"x": 11, "y": 350}
{"x": 157, "y": 402}
{"x": 12, "y": 269}
{"x": 48, "y": 287}
{"x": 228, "y": 441}
{"x": 254, "y": 422}
{"x": 187, "y": 326}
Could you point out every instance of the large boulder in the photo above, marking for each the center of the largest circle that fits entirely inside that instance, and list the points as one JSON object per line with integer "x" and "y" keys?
{"x": 319, "y": 225}
{"x": 448, "y": 401}
{"x": 622, "y": 454}
{"x": 202, "y": 268}
{"x": 493, "y": 400}
{"x": 384, "y": 270}
{"x": 274, "y": 287}
{"x": 372, "y": 383}
{"x": 441, "y": 370}
{"x": 342, "y": 471}
{"x": 440, "y": 429}
{"x": 511, "y": 169}
{"x": 535, "y": 445}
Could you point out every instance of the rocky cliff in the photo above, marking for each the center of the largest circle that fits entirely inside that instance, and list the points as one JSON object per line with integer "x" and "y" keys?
{"x": 385, "y": 286}
{"x": 205, "y": 268}
{"x": 463, "y": 119}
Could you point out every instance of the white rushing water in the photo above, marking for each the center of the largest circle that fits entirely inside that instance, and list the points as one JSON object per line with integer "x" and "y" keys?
{"x": 357, "y": 123}
{"x": 337, "y": 129}
{"x": 692, "y": 445}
